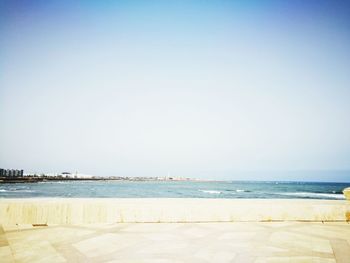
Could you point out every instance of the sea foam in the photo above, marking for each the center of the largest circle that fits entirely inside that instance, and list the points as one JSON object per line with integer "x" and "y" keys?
{"x": 210, "y": 191}
{"x": 314, "y": 195}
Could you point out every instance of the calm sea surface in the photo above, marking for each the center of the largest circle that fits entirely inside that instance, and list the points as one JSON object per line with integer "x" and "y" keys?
{"x": 156, "y": 189}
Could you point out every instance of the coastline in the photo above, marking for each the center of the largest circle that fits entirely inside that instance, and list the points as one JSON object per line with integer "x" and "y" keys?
{"x": 168, "y": 210}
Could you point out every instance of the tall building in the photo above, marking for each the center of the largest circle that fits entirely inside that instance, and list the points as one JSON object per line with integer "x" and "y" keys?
{"x": 10, "y": 173}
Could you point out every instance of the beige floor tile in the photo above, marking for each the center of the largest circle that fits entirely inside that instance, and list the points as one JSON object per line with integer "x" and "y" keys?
{"x": 6, "y": 254}
{"x": 104, "y": 244}
{"x": 179, "y": 242}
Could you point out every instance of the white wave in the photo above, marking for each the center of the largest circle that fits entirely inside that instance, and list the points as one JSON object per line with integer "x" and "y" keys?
{"x": 315, "y": 195}
{"x": 240, "y": 190}
{"x": 16, "y": 191}
{"x": 210, "y": 191}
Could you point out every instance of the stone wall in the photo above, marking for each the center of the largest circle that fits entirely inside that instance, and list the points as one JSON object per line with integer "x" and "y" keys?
{"x": 108, "y": 210}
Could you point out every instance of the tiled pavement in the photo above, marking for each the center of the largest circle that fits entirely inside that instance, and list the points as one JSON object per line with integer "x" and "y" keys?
{"x": 177, "y": 242}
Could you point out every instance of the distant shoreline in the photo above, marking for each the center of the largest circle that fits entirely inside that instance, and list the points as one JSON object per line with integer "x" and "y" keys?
{"x": 34, "y": 179}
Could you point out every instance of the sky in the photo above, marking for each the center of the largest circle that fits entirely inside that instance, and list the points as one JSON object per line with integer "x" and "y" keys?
{"x": 256, "y": 90}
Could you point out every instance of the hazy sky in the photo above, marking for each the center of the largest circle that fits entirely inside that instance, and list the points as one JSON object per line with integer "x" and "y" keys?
{"x": 208, "y": 89}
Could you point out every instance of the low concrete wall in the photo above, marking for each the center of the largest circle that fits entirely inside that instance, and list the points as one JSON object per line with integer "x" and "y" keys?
{"x": 85, "y": 211}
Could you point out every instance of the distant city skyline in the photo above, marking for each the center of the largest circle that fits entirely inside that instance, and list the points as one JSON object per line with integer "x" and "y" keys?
{"x": 235, "y": 90}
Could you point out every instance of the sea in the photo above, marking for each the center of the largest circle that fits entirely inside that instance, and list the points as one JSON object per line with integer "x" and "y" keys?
{"x": 175, "y": 189}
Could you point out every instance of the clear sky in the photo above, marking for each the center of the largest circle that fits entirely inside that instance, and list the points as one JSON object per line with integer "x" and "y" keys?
{"x": 211, "y": 89}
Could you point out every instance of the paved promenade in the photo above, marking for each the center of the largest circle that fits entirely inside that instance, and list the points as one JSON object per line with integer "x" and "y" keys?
{"x": 178, "y": 242}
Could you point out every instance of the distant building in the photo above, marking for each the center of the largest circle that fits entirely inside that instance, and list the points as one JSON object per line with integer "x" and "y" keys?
{"x": 10, "y": 173}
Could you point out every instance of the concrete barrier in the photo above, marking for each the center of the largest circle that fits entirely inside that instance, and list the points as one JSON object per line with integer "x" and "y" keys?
{"x": 346, "y": 193}
{"x": 110, "y": 210}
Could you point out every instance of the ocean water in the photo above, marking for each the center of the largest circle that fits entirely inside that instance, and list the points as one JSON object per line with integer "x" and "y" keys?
{"x": 173, "y": 189}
